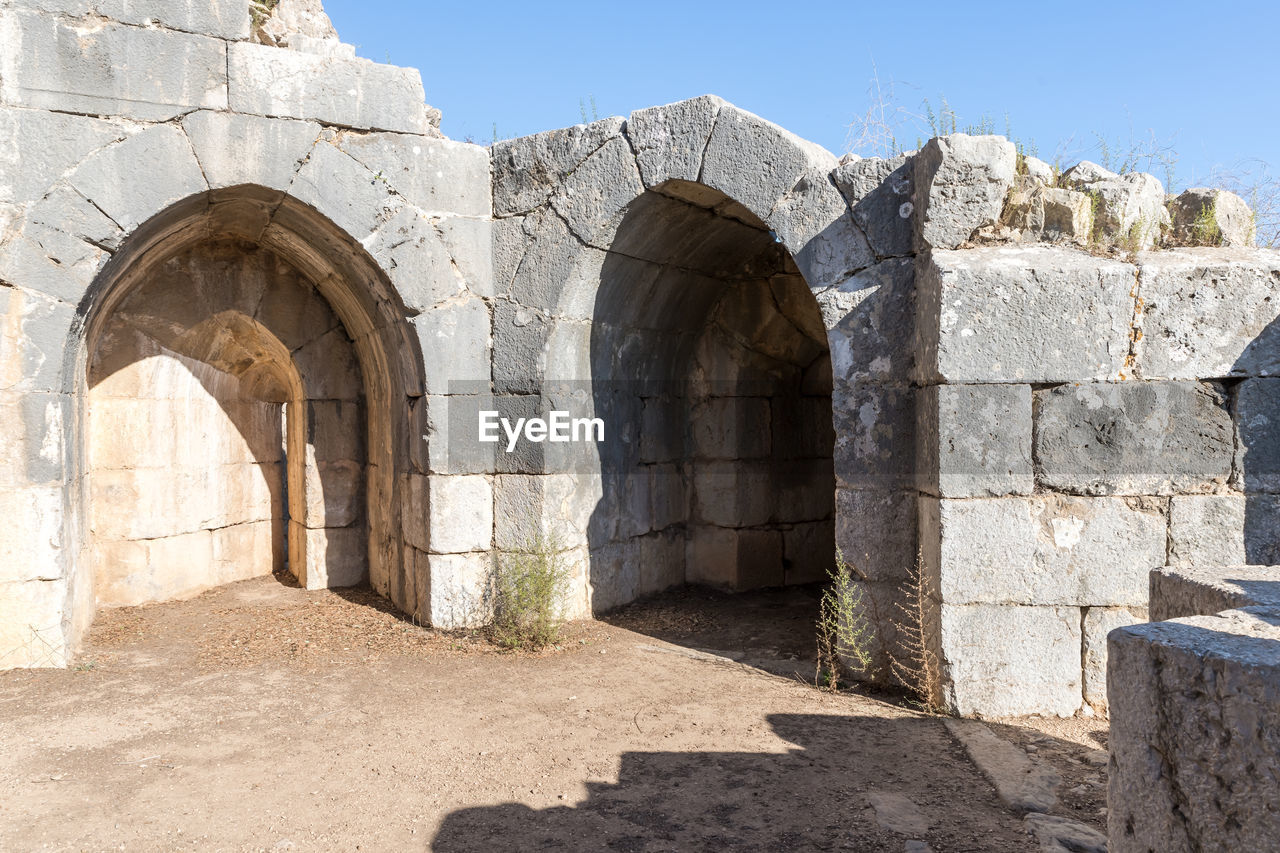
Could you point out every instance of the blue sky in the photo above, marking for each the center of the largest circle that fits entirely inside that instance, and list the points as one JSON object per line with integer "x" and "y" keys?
{"x": 1201, "y": 77}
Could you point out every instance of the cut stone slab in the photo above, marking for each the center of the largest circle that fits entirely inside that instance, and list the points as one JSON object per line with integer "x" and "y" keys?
{"x": 1210, "y": 217}
{"x": 1034, "y": 315}
{"x": 109, "y": 69}
{"x": 960, "y": 186}
{"x": 898, "y": 813}
{"x": 975, "y": 440}
{"x": 1023, "y": 783}
{"x": 356, "y": 93}
{"x": 879, "y": 191}
{"x": 669, "y": 140}
{"x": 44, "y": 146}
{"x": 1060, "y": 835}
{"x": 226, "y": 19}
{"x": 527, "y": 170}
{"x": 1209, "y": 312}
{"x": 1204, "y": 591}
{"x": 1098, "y": 623}
{"x": 1148, "y": 438}
{"x": 434, "y": 175}
{"x": 238, "y": 149}
{"x": 1195, "y": 733}
{"x": 1224, "y": 530}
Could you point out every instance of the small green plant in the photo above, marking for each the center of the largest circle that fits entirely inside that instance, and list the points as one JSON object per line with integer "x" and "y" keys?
{"x": 1204, "y": 228}
{"x": 529, "y": 591}
{"x": 593, "y": 115}
{"x": 843, "y": 632}
{"x": 1096, "y": 233}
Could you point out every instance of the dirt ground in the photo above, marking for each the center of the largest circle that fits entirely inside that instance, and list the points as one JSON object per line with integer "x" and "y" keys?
{"x": 264, "y": 717}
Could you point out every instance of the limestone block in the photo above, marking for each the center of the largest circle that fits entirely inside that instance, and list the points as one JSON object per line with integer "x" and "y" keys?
{"x": 1204, "y": 591}
{"x": 1210, "y": 217}
{"x": 297, "y": 24}
{"x": 614, "y": 575}
{"x": 754, "y": 162}
{"x": 1068, "y": 215}
{"x": 227, "y": 19}
{"x": 238, "y": 149}
{"x": 109, "y": 70}
{"x": 176, "y": 567}
{"x": 1098, "y": 623}
{"x": 1038, "y": 170}
{"x": 410, "y": 249}
{"x": 1209, "y": 313}
{"x": 879, "y": 191}
{"x": 669, "y": 494}
{"x": 1145, "y": 438}
{"x": 662, "y": 430}
{"x": 70, "y": 231}
{"x": 336, "y": 90}
{"x": 734, "y": 559}
{"x": 669, "y": 140}
{"x": 343, "y": 190}
{"x": 461, "y": 591}
{"x": 808, "y": 552}
{"x": 434, "y": 175}
{"x": 805, "y": 490}
{"x": 526, "y": 171}
{"x": 1130, "y": 207}
{"x": 1258, "y": 424}
{"x": 31, "y": 633}
{"x": 877, "y": 533}
{"x": 444, "y": 433}
{"x": 871, "y": 318}
{"x": 814, "y": 220}
{"x": 1224, "y": 530}
{"x": 1006, "y": 660}
{"x": 1084, "y": 173}
{"x": 1033, "y": 315}
{"x": 547, "y": 262}
{"x": 35, "y": 427}
{"x": 635, "y": 509}
{"x": 461, "y": 514}
{"x": 133, "y": 180}
{"x": 554, "y": 507}
{"x": 52, "y": 263}
{"x": 329, "y": 367}
{"x": 245, "y": 551}
{"x": 802, "y": 427}
{"x": 470, "y": 245}
{"x": 875, "y": 436}
{"x": 975, "y": 440}
{"x": 415, "y": 511}
{"x": 455, "y": 344}
{"x": 733, "y": 494}
{"x": 731, "y": 428}
{"x": 1195, "y": 733}
{"x": 335, "y": 557}
{"x": 333, "y": 495}
{"x": 960, "y": 183}
{"x": 335, "y": 429}
{"x": 662, "y": 561}
{"x": 597, "y": 190}
{"x": 44, "y": 146}
{"x": 31, "y": 541}
{"x": 1042, "y": 551}
{"x": 519, "y": 337}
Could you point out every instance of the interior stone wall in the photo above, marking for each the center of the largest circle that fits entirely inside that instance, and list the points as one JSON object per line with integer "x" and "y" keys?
{"x": 193, "y": 378}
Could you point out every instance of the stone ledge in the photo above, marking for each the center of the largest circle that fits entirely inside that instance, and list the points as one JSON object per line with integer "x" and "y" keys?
{"x": 1202, "y": 591}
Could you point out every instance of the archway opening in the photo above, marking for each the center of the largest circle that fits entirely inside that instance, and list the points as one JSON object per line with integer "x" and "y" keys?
{"x": 711, "y": 368}
{"x": 225, "y": 423}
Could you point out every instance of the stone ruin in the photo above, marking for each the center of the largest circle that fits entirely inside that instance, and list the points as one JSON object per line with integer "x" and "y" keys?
{"x": 255, "y": 303}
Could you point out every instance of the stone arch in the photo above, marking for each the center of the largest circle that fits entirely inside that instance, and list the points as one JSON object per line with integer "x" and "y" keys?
{"x": 579, "y": 194}
{"x": 368, "y": 326}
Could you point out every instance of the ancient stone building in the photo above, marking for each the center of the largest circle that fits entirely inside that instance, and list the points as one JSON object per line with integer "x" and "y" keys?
{"x": 255, "y": 305}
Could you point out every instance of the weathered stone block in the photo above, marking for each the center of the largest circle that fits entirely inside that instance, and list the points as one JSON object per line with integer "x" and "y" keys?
{"x": 1204, "y": 591}
{"x": 1034, "y": 315}
{"x": 1005, "y": 660}
{"x": 876, "y": 531}
{"x": 975, "y": 440}
{"x": 461, "y": 514}
{"x": 31, "y": 624}
{"x": 31, "y": 541}
{"x": 875, "y": 434}
{"x": 1146, "y": 438}
{"x": 615, "y": 575}
{"x": 227, "y": 19}
{"x": 809, "y": 552}
{"x": 662, "y": 557}
{"x": 1067, "y": 215}
{"x": 554, "y": 507}
{"x": 731, "y": 428}
{"x": 145, "y": 74}
{"x": 434, "y": 175}
{"x": 519, "y": 338}
{"x": 133, "y": 180}
{"x": 1210, "y": 217}
{"x": 343, "y": 190}
{"x": 1195, "y": 733}
{"x": 669, "y": 140}
{"x": 238, "y": 149}
{"x": 526, "y": 171}
{"x": 409, "y": 247}
{"x": 734, "y": 559}
{"x": 335, "y": 557}
{"x": 44, "y": 146}
{"x": 1042, "y": 551}
{"x": 355, "y": 93}
{"x": 1224, "y": 530}
{"x": 460, "y": 590}
{"x": 754, "y": 162}
{"x": 960, "y": 185}
{"x": 597, "y": 190}
{"x": 470, "y": 243}
{"x": 1209, "y": 313}
{"x": 1258, "y": 424}
{"x": 880, "y": 191}
{"x": 871, "y": 318}
{"x": 733, "y": 494}
{"x": 1099, "y": 622}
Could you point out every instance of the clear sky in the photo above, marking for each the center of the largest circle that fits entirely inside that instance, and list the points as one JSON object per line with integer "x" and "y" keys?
{"x": 1203, "y": 77}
